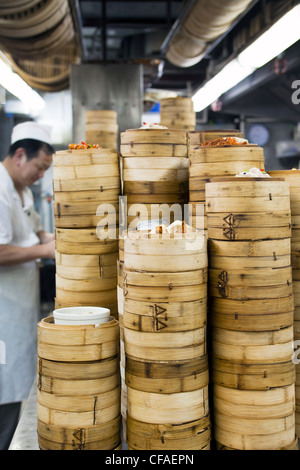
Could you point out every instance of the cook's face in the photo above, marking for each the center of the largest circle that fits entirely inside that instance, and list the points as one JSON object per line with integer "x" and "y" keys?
{"x": 34, "y": 169}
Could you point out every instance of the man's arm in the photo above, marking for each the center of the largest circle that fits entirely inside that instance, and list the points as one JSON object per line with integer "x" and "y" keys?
{"x": 11, "y": 255}
{"x": 45, "y": 237}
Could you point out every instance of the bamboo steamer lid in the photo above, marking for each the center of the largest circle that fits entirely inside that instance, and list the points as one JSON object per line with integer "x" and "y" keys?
{"x": 77, "y": 343}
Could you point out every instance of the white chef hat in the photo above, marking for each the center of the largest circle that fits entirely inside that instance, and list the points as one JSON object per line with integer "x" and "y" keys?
{"x": 31, "y": 130}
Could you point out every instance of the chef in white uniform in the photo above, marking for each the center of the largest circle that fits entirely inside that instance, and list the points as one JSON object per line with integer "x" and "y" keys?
{"x": 22, "y": 242}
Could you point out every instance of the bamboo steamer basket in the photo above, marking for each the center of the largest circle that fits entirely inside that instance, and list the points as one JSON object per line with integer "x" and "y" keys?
{"x": 188, "y": 436}
{"x": 67, "y": 438}
{"x": 254, "y": 347}
{"x": 178, "y": 113}
{"x": 70, "y": 343}
{"x": 165, "y": 316}
{"x": 84, "y": 242}
{"x": 293, "y": 446}
{"x": 278, "y": 251}
{"x": 251, "y": 284}
{"x": 182, "y": 346}
{"x": 78, "y": 386}
{"x": 234, "y": 210}
{"x": 166, "y": 377}
{"x": 213, "y": 162}
{"x": 175, "y": 408}
{"x": 187, "y": 252}
{"x": 248, "y": 195}
{"x": 238, "y": 375}
{"x": 154, "y": 173}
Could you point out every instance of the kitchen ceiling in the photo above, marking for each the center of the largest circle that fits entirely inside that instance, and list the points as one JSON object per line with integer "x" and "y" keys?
{"x": 180, "y": 43}
{"x": 117, "y": 31}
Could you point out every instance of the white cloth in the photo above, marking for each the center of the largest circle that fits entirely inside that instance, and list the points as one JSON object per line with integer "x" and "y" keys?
{"x": 19, "y": 293}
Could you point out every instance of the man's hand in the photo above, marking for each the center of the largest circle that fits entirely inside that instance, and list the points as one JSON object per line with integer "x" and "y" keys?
{"x": 46, "y": 237}
{"x": 49, "y": 249}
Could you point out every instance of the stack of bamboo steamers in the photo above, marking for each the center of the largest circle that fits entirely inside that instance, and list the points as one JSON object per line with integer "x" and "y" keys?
{"x": 79, "y": 365}
{"x": 251, "y": 309}
{"x": 166, "y": 367}
{"x": 86, "y": 191}
{"x": 293, "y": 178}
{"x": 101, "y": 125}
{"x": 154, "y": 178}
{"x": 154, "y": 173}
{"x": 78, "y": 386}
{"x": 178, "y": 113}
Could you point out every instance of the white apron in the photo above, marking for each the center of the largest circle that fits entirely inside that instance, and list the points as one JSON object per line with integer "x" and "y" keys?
{"x": 19, "y": 294}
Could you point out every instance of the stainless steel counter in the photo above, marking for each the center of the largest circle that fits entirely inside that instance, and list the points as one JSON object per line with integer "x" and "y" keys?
{"x": 25, "y": 437}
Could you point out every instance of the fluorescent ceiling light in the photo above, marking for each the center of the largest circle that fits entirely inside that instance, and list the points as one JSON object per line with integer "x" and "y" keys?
{"x": 279, "y": 37}
{"x": 13, "y": 83}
